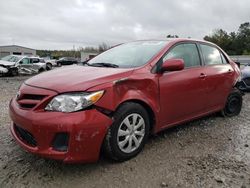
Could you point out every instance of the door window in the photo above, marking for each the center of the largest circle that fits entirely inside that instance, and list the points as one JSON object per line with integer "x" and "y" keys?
{"x": 211, "y": 55}
{"x": 188, "y": 52}
{"x": 35, "y": 60}
{"x": 25, "y": 61}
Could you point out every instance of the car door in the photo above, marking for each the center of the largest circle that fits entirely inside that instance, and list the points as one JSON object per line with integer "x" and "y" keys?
{"x": 25, "y": 63}
{"x": 36, "y": 65}
{"x": 182, "y": 93}
{"x": 219, "y": 76}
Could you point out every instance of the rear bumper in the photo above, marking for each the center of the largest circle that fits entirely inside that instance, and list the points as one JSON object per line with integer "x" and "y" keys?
{"x": 86, "y": 130}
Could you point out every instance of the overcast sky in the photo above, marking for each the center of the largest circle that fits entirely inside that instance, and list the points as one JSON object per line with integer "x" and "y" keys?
{"x": 62, "y": 24}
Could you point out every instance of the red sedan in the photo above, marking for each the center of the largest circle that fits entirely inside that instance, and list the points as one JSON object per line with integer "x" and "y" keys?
{"x": 115, "y": 100}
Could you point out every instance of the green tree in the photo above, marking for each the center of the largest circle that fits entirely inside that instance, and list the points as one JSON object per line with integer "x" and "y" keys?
{"x": 234, "y": 43}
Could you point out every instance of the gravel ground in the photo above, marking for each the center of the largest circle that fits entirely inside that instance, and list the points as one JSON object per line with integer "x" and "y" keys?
{"x": 210, "y": 152}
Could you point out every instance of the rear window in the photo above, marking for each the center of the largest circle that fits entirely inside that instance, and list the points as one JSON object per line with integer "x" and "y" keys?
{"x": 212, "y": 55}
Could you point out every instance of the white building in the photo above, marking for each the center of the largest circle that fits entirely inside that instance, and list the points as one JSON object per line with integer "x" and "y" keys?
{"x": 87, "y": 55}
{"x": 16, "y": 50}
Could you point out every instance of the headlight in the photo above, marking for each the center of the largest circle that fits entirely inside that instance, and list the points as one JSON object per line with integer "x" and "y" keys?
{"x": 72, "y": 102}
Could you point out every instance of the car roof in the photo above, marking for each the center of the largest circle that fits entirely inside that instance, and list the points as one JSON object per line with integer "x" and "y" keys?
{"x": 177, "y": 40}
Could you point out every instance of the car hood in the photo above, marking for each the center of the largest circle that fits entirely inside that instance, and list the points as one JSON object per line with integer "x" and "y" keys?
{"x": 76, "y": 78}
{"x": 7, "y": 63}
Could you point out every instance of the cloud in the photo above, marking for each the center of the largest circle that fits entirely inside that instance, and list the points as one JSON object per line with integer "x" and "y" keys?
{"x": 60, "y": 24}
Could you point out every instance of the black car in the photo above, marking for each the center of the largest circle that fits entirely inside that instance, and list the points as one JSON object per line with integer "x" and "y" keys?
{"x": 66, "y": 61}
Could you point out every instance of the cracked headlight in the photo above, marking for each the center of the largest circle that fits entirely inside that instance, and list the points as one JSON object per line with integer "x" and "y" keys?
{"x": 72, "y": 102}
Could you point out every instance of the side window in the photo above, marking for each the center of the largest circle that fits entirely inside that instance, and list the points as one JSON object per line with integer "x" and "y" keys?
{"x": 211, "y": 55}
{"x": 42, "y": 60}
{"x": 25, "y": 61}
{"x": 187, "y": 52}
{"x": 35, "y": 60}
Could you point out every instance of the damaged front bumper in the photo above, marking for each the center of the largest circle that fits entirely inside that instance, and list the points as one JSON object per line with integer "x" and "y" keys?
{"x": 70, "y": 137}
{"x": 3, "y": 70}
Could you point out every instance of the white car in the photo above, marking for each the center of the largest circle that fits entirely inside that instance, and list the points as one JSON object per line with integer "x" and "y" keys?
{"x": 50, "y": 63}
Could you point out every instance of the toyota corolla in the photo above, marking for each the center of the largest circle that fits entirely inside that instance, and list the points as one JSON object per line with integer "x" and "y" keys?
{"x": 117, "y": 99}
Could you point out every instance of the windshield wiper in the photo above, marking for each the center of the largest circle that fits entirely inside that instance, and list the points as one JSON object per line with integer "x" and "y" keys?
{"x": 103, "y": 65}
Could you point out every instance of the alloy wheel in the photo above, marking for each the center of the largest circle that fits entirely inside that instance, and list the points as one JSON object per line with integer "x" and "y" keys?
{"x": 131, "y": 133}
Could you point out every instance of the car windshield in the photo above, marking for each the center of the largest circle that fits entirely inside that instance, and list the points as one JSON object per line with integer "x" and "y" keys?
{"x": 128, "y": 55}
{"x": 11, "y": 58}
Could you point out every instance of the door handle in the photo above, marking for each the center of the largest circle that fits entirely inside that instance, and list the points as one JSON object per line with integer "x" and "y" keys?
{"x": 202, "y": 75}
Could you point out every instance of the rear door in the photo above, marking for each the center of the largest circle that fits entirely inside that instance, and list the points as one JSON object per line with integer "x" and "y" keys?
{"x": 219, "y": 76}
{"x": 35, "y": 64}
{"x": 182, "y": 93}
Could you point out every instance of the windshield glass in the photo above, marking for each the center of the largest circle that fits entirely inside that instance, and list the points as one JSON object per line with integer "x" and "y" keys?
{"x": 129, "y": 55}
{"x": 11, "y": 58}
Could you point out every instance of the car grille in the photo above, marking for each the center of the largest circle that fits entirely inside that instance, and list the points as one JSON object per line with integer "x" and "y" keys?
{"x": 247, "y": 81}
{"x": 25, "y": 136}
{"x": 29, "y": 101}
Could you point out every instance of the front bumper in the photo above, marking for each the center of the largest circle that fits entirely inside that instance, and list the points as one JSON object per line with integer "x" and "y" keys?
{"x": 86, "y": 130}
{"x": 3, "y": 70}
{"x": 243, "y": 86}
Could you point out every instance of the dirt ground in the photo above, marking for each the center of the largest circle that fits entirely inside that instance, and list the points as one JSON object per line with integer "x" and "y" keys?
{"x": 210, "y": 152}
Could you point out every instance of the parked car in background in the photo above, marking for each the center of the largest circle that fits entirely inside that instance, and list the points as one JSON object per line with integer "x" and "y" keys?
{"x": 32, "y": 65}
{"x": 14, "y": 64}
{"x": 50, "y": 63}
{"x": 244, "y": 85}
{"x": 9, "y": 65}
{"x": 66, "y": 61}
{"x": 120, "y": 97}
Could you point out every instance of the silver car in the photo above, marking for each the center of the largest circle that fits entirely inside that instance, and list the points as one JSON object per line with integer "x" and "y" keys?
{"x": 14, "y": 64}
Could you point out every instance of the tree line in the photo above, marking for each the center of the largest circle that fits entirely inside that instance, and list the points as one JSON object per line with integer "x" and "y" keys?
{"x": 234, "y": 43}
{"x": 56, "y": 54}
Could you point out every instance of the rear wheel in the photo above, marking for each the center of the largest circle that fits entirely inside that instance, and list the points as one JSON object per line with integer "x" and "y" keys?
{"x": 233, "y": 104}
{"x": 129, "y": 132}
{"x": 48, "y": 66}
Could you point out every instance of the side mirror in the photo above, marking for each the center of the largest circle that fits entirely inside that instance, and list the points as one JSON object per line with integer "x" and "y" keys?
{"x": 21, "y": 62}
{"x": 172, "y": 65}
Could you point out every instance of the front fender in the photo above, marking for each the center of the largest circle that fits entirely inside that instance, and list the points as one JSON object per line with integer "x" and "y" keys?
{"x": 118, "y": 92}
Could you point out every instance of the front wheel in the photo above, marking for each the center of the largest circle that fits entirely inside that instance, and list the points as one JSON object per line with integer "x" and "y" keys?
{"x": 128, "y": 134}
{"x": 13, "y": 72}
{"x": 233, "y": 104}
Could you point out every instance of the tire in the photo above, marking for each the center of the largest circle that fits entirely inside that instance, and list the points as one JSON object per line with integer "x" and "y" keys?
{"x": 233, "y": 105}
{"x": 59, "y": 64}
{"x": 120, "y": 137}
{"x": 13, "y": 72}
{"x": 48, "y": 66}
{"x": 41, "y": 70}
